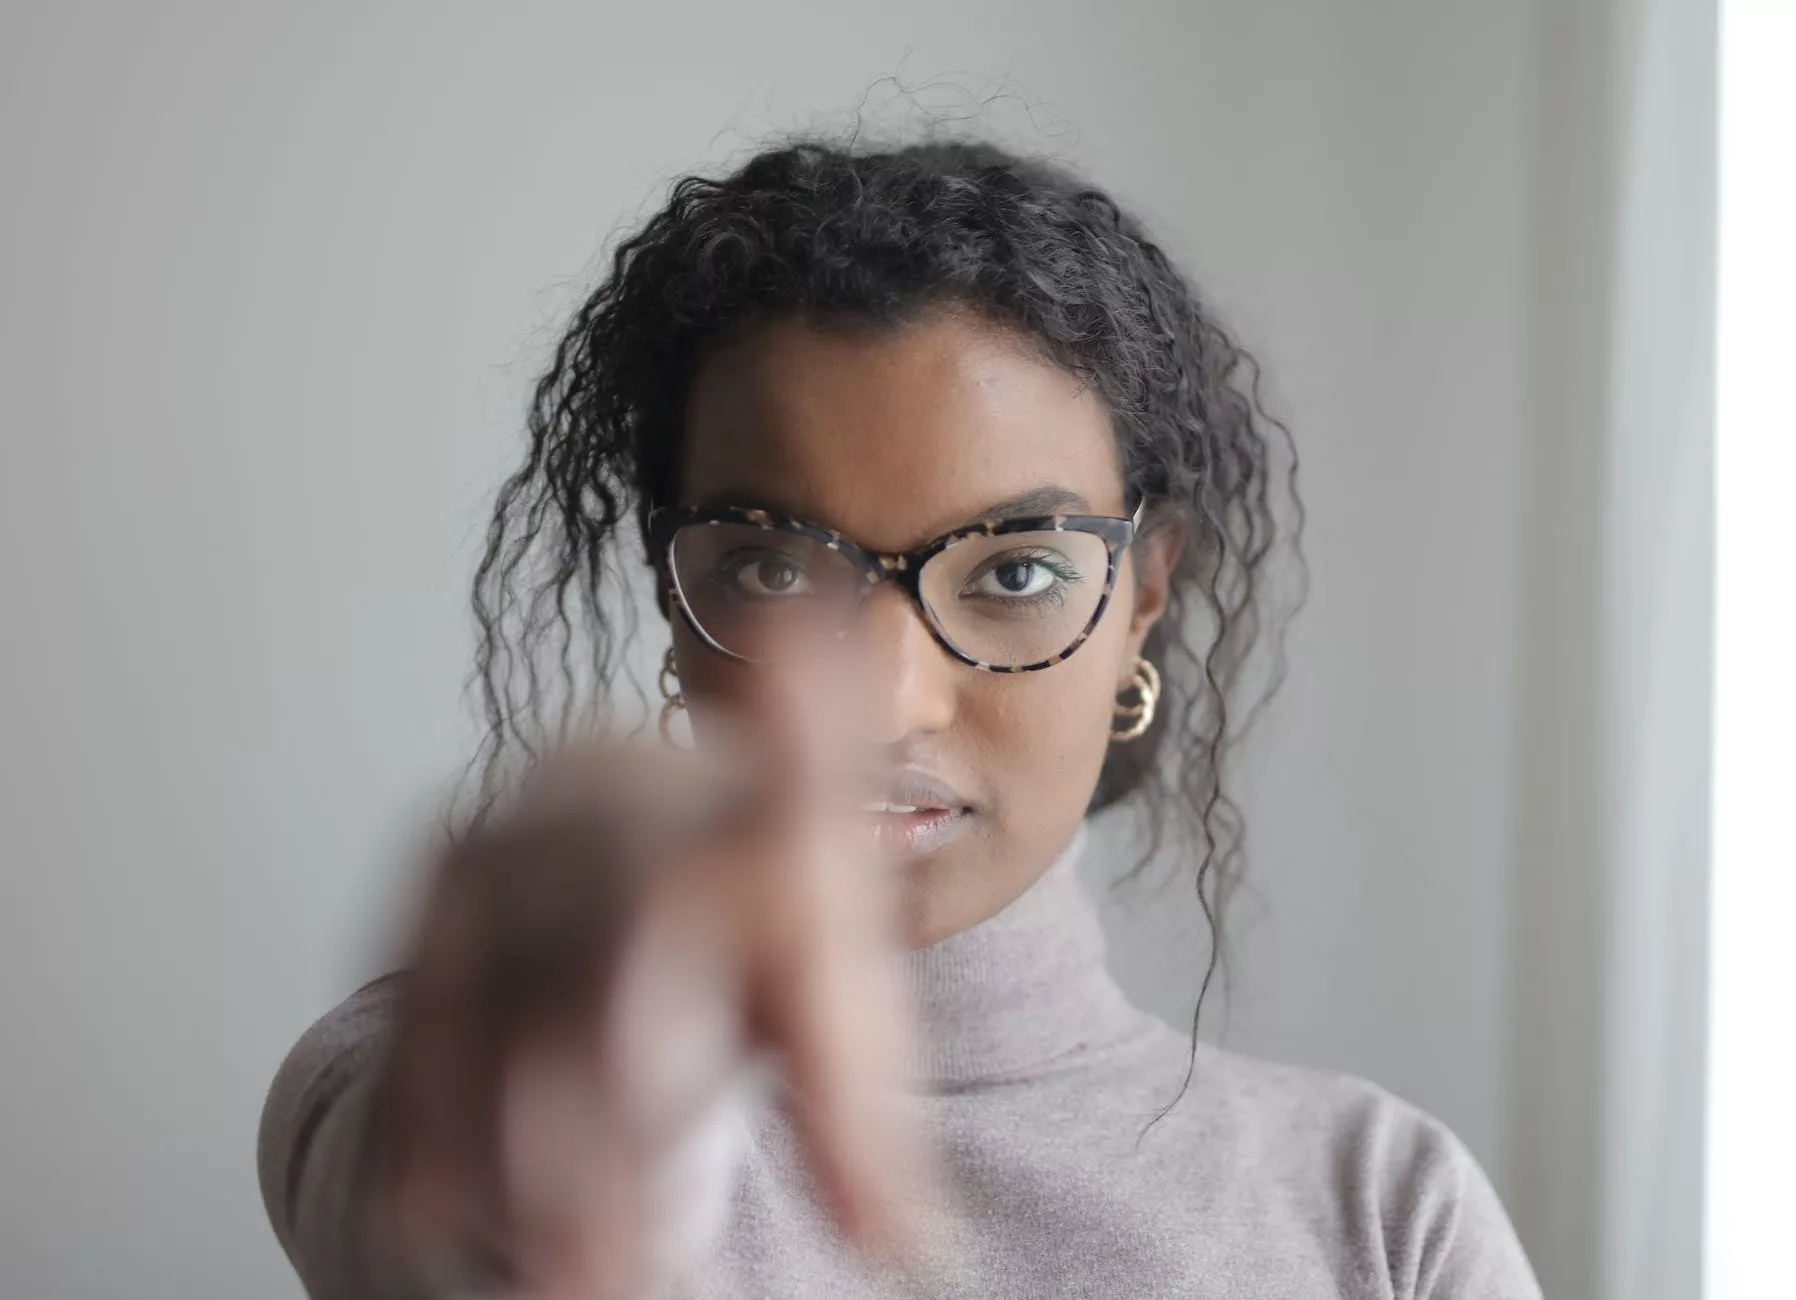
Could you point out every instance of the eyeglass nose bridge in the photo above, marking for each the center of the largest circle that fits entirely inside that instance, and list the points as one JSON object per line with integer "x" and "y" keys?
{"x": 903, "y": 570}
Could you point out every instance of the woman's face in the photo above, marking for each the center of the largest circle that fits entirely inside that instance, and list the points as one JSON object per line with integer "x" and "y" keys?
{"x": 892, "y": 439}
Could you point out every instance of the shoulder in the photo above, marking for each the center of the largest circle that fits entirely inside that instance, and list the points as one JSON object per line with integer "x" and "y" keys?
{"x": 1318, "y": 1110}
{"x": 1393, "y": 1185}
{"x": 338, "y": 1046}
{"x": 331, "y": 1063}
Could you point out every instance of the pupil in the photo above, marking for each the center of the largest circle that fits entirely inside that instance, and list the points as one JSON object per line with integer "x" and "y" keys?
{"x": 1014, "y": 575}
{"x": 777, "y": 577}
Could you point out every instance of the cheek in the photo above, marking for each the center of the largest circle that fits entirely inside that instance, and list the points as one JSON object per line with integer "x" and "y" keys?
{"x": 1042, "y": 736}
{"x": 705, "y": 675}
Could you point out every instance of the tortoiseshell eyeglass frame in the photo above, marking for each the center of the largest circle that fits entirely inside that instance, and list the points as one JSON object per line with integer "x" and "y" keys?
{"x": 902, "y": 567}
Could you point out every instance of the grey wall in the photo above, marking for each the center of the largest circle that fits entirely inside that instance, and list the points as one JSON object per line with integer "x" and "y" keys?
{"x": 274, "y": 281}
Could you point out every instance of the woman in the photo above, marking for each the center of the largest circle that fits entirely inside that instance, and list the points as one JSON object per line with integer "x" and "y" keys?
{"x": 939, "y": 463}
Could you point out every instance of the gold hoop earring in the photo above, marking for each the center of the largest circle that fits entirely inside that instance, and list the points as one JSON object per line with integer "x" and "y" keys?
{"x": 674, "y": 700}
{"x": 1146, "y": 685}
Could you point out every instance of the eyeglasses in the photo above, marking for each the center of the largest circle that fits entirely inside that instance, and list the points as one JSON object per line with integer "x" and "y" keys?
{"x": 1007, "y": 596}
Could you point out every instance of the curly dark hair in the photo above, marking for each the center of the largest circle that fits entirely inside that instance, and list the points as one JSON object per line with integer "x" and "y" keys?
{"x": 870, "y": 237}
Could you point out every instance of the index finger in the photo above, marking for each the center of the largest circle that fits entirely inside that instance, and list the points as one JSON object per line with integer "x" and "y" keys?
{"x": 805, "y": 711}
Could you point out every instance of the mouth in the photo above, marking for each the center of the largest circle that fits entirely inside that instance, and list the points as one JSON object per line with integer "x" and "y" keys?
{"x": 915, "y": 815}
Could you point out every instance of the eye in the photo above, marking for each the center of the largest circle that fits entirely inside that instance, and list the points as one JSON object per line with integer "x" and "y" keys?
{"x": 1020, "y": 576}
{"x": 767, "y": 575}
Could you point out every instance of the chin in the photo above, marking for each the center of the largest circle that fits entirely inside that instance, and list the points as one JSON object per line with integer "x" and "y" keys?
{"x": 954, "y": 889}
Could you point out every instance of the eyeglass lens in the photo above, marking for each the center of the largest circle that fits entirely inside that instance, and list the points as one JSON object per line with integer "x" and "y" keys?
{"x": 1007, "y": 600}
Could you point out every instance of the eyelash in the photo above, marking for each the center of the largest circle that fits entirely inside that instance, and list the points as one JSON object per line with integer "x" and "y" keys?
{"x": 730, "y": 572}
{"x": 1055, "y": 564}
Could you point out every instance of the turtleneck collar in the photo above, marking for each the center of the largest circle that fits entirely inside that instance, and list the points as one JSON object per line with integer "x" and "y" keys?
{"x": 1023, "y": 988}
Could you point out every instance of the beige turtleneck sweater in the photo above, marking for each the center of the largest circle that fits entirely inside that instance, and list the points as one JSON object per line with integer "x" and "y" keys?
{"x": 1036, "y": 1079}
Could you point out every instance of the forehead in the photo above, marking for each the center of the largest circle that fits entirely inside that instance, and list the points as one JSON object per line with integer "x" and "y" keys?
{"x": 893, "y": 436}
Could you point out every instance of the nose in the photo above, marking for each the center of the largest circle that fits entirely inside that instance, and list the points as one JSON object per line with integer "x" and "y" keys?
{"x": 911, "y": 679}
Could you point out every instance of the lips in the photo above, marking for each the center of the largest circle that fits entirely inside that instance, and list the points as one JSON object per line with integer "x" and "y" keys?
{"x": 913, "y": 790}
{"x": 914, "y": 814}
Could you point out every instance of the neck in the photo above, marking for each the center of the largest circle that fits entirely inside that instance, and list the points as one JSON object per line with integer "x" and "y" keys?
{"x": 1018, "y": 990}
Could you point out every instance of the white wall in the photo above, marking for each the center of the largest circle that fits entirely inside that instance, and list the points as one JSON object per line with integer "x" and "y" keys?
{"x": 274, "y": 280}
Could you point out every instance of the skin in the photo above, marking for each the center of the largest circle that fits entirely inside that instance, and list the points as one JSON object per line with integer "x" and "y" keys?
{"x": 820, "y": 424}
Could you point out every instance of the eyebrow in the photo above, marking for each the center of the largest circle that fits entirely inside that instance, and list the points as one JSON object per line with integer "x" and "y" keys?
{"x": 1049, "y": 499}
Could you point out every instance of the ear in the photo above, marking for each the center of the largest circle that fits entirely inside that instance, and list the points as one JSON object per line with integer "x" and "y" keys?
{"x": 1154, "y": 557}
